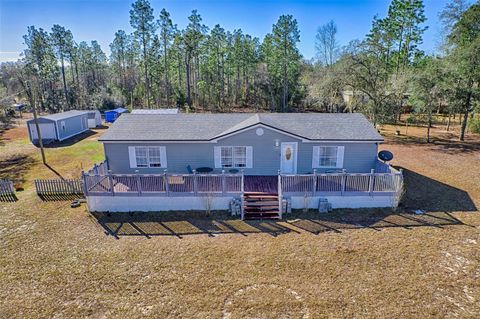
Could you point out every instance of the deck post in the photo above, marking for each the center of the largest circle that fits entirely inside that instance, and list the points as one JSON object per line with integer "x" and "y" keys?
{"x": 139, "y": 185}
{"x": 195, "y": 185}
{"x": 84, "y": 184}
{"x": 165, "y": 178}
{"x": 95, "y": 168}
{"x": 280, "y": 208}
{"x": 344, "y": 180}
{"x": 370, "y": 181}
{"x": 224, "y": 185}
{"x": 314, "y": 182}
{"x": 110, "y": 179}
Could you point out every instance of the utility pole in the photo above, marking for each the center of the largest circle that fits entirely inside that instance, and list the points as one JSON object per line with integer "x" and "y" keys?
{"x": 39, "y": 134}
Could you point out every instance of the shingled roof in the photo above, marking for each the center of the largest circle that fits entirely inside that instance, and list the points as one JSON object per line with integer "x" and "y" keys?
{"x": 207, "y": 127}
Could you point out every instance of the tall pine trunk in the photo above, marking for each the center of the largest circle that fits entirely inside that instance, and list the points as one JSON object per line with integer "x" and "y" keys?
{"x": 64, "y": 80}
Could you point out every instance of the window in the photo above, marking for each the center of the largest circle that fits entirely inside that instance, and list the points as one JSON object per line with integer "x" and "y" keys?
{"x": 147, "y": 156}
{"x": 233, "y": 156}
{"x": 240, "y": 156}
{"x": 227, "y": 157}
{"x": 154, "y": 157}
{"x": 328, "y": 156}
{"x": 141, "y": 156}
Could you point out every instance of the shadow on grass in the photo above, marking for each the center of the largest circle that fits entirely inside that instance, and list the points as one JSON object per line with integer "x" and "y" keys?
{"x": 180, "y": 224}
{"x": 70, "y": 141}
{"x": 60, "y": 197}
{"x": 15, "y": 168}
{"x": 431, "y": 195}
{"x": 8, "y": 198}
{"x": 445, "y": 143}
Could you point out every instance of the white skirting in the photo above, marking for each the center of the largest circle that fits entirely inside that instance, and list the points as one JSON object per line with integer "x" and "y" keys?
{"x": 165, "y": 203}
{"x": 152, "y": 204}
{"x": 299, "y": 202}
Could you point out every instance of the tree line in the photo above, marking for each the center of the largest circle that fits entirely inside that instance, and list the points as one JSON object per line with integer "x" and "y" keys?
{"x": 217, "y": 70}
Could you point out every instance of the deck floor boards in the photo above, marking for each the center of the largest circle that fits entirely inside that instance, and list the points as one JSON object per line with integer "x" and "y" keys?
{"x": 261, "y": 184}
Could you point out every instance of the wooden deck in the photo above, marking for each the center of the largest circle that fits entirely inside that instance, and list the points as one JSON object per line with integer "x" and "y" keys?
{"x": 261, "y": 184}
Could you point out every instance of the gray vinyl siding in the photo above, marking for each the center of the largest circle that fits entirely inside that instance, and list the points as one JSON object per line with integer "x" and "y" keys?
{"x": 73, "y": 126}
{"x": 358, "y": 157}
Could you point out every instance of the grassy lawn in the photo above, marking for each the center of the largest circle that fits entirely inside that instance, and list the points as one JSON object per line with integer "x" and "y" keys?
{"x": 59, "y": 262}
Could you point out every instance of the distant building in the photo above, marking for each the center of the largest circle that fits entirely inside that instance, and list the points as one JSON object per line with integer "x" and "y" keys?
{"x": 58, "y": 127}
{"x": 155, "y": 111}
{"x": 94, "y": 118}
{"x": 112, "y": 115}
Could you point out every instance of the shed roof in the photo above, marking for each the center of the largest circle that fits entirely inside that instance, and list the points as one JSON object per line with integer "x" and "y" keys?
{"x": 63, "y": 115}
{"x": 117, "y": 110}
{"x": 206, "y": 127}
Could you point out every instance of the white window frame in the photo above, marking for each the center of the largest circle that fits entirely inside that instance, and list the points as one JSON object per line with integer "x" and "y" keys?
{"x": 236, "y": 161}
{"x": 317, "y": 158}
{"x": 233, "y": 157}
{"x": 332, "y": 157}
{"x": 152, "y": 161}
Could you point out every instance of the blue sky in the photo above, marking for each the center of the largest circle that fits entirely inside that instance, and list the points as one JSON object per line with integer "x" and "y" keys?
{"x": 99, "y": 20}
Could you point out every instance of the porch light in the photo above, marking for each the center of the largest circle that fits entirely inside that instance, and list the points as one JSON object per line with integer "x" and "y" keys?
{"x": 277, "y": 143}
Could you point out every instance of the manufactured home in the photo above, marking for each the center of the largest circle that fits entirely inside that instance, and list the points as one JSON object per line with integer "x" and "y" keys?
{"x": 112, "y": 115}
{"x": 58, "y": 127}
{"x": 177, "y": 161}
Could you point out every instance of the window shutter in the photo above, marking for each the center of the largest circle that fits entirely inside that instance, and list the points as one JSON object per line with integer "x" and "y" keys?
{"x": 132, "y": 157}
{"x": 249, "y": 153}
{"x": 163, "y": 156}
{"x": 340, "y": 153}
{"x": 217, "y": 156}
{"x": 316, "y": 157}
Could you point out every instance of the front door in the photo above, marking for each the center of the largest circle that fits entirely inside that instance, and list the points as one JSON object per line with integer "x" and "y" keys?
{"x": 288, "y": 160}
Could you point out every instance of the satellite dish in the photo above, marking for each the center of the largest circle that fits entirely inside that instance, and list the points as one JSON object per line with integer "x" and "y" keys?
{"x": 385, "y": 156}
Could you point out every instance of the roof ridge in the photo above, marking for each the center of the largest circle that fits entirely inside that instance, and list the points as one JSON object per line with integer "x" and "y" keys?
{"x": 241, "y": 125}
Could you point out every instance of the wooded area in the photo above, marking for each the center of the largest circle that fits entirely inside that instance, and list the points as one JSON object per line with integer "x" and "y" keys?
{"x": 217, "y": 70}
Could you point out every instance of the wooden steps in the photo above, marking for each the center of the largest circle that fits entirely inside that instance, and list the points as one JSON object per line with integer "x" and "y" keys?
{"x": 258, "y": 205}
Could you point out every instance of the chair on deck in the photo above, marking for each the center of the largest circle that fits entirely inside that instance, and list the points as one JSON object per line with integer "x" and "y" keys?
{"x": 189, "y": 169}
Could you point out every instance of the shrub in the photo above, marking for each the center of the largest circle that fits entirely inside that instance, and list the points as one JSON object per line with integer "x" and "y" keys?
{"x": 474, "y": 124}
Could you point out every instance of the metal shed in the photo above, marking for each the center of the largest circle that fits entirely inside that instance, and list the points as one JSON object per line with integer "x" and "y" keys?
{"x": 58, "y": 127}
{"x": 94, "y": 118}
{"x": 112, "y": 115}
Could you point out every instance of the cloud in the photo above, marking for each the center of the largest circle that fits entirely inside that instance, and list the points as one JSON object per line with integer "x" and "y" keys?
{"x": 9, "y": 56}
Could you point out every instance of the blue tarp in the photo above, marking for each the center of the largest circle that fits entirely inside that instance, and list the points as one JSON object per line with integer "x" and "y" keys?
{"x": 112, "y": 115}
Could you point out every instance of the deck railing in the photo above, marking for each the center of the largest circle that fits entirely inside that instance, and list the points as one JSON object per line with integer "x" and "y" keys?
{"x": 162, "y": 184}
{"x": 99, "y": 169}
{"x": 342, "y": 184}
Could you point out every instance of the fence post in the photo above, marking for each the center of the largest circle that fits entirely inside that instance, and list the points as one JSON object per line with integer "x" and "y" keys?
{"x": 110, "y": 179}
{"x": 400, "y": 179}
{"x": 344, "y": 180}
{"x": 195, "y": 182}
{"x": 95, "y": 169}
{"x": 223, "y": 181}
{"x": 314, "y": 182}
{"x": 139, "y": 184}
{"x": 165, "y": 178}
{"x": 242, "y": 189}
{"x": 279, "y": 185}
{"x": 370, "y": 181}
